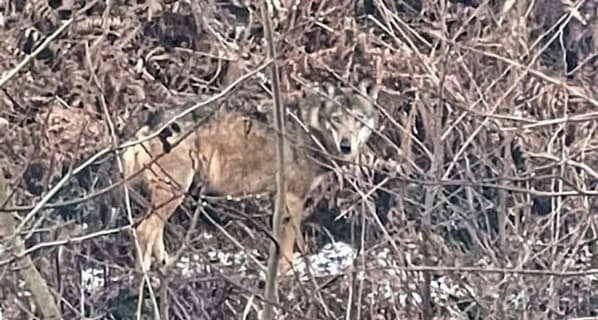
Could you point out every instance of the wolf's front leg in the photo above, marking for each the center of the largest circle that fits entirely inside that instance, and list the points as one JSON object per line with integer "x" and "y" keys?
{"x": 165, "y": 199}
{"x": 146, "y": 236}
{"x": 291, "y": 232}
{"x": 160, "y": 252}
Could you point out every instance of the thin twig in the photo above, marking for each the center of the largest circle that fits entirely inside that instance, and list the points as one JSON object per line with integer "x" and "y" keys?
{"x": 279, "y": 202}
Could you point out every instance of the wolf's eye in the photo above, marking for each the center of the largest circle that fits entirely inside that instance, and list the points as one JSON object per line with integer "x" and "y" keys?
{"x": 335, "y": 118}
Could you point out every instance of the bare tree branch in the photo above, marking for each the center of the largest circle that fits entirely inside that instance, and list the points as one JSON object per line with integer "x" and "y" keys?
{"x": 279, "y": 203}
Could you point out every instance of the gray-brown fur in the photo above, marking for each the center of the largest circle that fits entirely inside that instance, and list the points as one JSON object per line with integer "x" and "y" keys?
{"x": 234, "y": 155}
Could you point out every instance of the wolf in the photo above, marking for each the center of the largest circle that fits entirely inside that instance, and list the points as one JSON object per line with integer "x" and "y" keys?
{"x": 233, "y": 155}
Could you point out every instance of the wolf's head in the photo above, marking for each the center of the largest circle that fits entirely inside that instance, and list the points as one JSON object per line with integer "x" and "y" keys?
{"x": 344, "y": 117}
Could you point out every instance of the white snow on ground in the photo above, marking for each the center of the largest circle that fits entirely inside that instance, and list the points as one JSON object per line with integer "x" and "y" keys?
{"x": 190, "y": 265}
{"x": 92, "y": 279}
{"x": 392, "y": 282}
{"x": 22, "y": 286}
{"x": 332, "y": 259}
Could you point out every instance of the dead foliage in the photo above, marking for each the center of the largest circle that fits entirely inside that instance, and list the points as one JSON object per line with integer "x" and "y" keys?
{"x": 483, "y": 170}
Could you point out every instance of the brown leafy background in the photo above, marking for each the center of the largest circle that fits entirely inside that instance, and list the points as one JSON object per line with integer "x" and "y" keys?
{"x": 485, "y": 161}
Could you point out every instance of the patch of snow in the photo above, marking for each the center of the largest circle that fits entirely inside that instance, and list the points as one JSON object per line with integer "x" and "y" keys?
{"x": 92, "y": 279}
{"x": 191, "y": 265}
{"x": 206, "y": 235}
{"x": 333, "y": 259}
{"x": 23, "y": 292}
{"x": 391, "y": 282}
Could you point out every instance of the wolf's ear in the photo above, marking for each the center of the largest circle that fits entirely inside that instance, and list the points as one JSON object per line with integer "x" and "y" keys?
{"x": 369, "y": 91}
{"x": 312, "y": 104}
{"x": 368, "y": 95}
{"x": 329, "y": 97}
{"x": 328, "y": 89}
{"x": 319, "y": 91}
{"x": 369, "y": 88}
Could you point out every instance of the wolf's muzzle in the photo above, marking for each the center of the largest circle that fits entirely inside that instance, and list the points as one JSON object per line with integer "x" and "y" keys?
{"x": 345, "y": 146}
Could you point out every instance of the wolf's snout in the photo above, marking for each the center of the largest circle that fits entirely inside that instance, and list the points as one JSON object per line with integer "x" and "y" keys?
{"x": 345, "y": 146}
